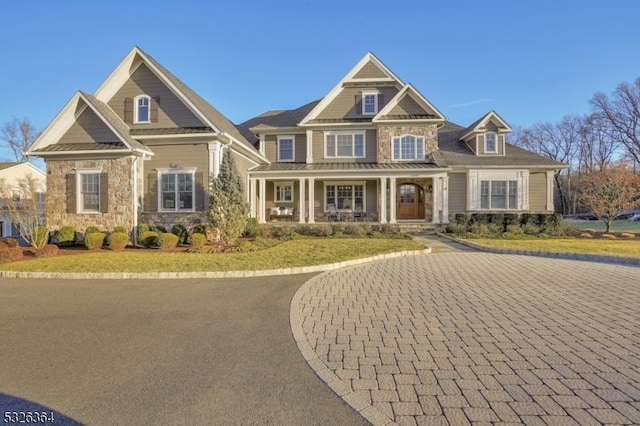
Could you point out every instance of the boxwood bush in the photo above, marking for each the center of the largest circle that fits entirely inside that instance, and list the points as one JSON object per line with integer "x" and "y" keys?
{"x": 94, "y": 240}
{"x": 118, "y": 240}
{"x": 67, "y": 236}
{"x": 167, "y": 240}
{"x": 181, "y": 231}
{"x": 197, "y": 240}
{"x": 149, "y": 239}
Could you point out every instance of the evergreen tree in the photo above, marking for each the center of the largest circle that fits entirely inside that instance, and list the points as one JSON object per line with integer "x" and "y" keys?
{"x": 228, "y": 209}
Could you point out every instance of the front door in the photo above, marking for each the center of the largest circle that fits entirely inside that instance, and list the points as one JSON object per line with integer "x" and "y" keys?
{"x": 410, "y": 201}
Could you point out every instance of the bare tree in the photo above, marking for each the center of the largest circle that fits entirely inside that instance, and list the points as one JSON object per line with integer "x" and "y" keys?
{"x": 18, "y": 135}
{"x": 609, "y": 192}
{"x": 23, "y": 204}
{"x": 598, "y": 145}
{"x": 622, "y": 111}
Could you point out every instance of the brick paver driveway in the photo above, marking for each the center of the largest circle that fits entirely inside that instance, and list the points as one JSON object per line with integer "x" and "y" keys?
{"x": 477, "y": 337}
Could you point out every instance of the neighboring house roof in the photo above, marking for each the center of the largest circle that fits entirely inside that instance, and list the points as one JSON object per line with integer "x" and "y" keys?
{"x": 454, "y": 152}
{"x": 275, "y": 119}
{"x": 6, "y": 165}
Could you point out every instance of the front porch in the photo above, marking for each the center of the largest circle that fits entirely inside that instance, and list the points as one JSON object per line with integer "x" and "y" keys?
{"x": 394, "y": 199}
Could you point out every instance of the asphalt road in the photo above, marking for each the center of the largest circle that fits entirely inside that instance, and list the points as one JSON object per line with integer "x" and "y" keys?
{"x": 135, "y": 352}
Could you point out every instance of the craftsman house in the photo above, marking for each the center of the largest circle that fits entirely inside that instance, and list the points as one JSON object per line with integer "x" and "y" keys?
{"x": 143, "y": 147}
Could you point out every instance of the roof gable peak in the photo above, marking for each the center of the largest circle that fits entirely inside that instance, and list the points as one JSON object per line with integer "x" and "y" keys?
{"x": 410, "y": 91}
{"x": 480, "y": 125}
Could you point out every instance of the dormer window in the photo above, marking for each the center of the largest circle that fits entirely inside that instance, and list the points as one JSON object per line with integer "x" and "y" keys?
{"x": 369, "y": 103}
{"x": 142, "y": 112}
{"x": 490, "y": 143}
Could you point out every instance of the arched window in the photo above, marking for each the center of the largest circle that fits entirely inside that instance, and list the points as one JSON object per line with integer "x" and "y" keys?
{"x": 142, "y": 109}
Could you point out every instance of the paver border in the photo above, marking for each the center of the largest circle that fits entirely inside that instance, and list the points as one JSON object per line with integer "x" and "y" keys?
{"x": 616, "y": 260}
{"x": 210, "y": 274}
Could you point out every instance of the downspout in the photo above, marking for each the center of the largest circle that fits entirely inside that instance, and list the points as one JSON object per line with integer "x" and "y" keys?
{"x": 134, "y": 175}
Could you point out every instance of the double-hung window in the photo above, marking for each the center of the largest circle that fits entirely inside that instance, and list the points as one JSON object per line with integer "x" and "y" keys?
{"x": 499, "y": 194}
{"x": 345, "y": 196}
{"x": 142, "y": 110}
{"x": 177, "y": 190}
{"x": 286, "y": 148}
{"x": 344, "y": 145}
{"x": 283, "y": 192}
{"x": 369, "y": 103}
{"x": 408, "y": 148}
{"x": 88, "y": 191}
{"x": 490, "y": 143}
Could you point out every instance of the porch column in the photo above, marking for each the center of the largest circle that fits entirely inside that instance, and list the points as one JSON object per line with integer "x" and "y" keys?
{"x": 392, "y": 200}
{"x": 445, "y": 199}
{"x": 312, "y": 201}
{"x": 383, "y": 200}
{"x": 301, "y": 200}
{"x": 263, "y": 197}
{"x": 309, "y": 146}
{"x": 550, "y": 190}
{"x": 214, "y": 158}
{"x": 252, "y": 197}
{"x": 436, "y": 199}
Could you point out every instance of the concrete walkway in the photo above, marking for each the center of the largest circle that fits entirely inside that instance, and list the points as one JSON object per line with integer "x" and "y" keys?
{"x": 461, "y": 337}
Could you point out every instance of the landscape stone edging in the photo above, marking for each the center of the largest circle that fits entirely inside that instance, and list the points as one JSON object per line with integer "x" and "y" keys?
{"x": 618, "y": 260}
{"x": 209, "y": 274}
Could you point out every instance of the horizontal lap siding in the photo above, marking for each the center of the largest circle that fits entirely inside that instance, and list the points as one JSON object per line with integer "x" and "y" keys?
{"x": 344, "y": 106}
{"x": 172, "y": 112}
{"x": 537, "y": 191}
{"x": 89, "y": 128}
{"x": 370, "y": 70}
{"x": 173, "y": 156}
{"x": 408, "y": 106}
{"x": 300, "y": 148}
{"x": 457, "y": 192}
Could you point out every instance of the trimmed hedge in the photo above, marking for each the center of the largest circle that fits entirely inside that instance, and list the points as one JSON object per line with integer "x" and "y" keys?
{"x": 118, "y": 240}
{"x": 197, "y": 240}
{"x": 167, "y": 241}
{"x": 94, "y": 240}
{"x": 149, "y": 238}
{"x": 67, "y": 236}
{"x": 181, "y": 231}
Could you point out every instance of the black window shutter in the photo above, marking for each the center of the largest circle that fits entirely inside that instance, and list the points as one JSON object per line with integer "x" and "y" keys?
{"x": 358, "y": 101}
{"x": 154, "y": 109}
{"x": 200, "y": 191}
{"x": 104, "y": 193}
{"x": 71, "y": 193}
{"x": 151, "y": 196}
{"x": 128, "y": 110}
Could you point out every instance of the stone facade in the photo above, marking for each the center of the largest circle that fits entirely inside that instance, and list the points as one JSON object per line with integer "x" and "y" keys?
{"x": 120, "y": 194}
{"x": 386, "y": 133}
{"x": 169, "y": 219}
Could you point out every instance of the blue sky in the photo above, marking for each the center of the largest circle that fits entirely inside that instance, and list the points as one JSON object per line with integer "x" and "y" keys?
{"x": 529, "y": 61}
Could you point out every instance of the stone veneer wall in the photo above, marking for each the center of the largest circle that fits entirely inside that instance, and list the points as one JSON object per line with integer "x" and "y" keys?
{"x": 120, "y": 194}
{"x": 385, "y": 133}
{"x": 169, "y": 219}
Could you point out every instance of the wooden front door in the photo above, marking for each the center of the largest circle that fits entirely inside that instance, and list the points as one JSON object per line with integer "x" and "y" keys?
{"x": 410, "y": 201}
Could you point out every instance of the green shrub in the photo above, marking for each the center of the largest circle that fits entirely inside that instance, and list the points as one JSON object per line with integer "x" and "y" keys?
{"x": 320, "y": 230}
{"x": 67, "y": 236}
{"x": 251, "y": 228}
{"x": 167, "y": 240}
{"x": 39, "y": 236}
{"x": 121, "y": 229}
{"x": 199, "y": 229}
{"x": 456, "y": 228}
{"x": 354, "y": 230}
{"x": 511, "y": 219}
{"x": 554, "y": 224}
{"x": 118, "y": 240}
{"x": 181, "y": 231}
{"x": 486, "y": 229}
{"x": 149, "y": 239}
{"x": 142, "y": 228}
{"x": 49, "y": 250}
{"x": 285, "y": 232}
{"x": 530, "y": 228}
{"x": 263, "y": 231}
{"x": 94, "y": 240}
{"x": 159, "y": 229}
{"x": 197, "y": 240}
{"x": 479, "y": 218}
{"x": 91, "y": 229}
{"x": 515, "y": 229}
{"x": 461, "y": 219}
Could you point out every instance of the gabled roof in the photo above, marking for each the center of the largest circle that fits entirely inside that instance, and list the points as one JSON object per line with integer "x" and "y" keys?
{"x": 352, "y": 76}
{"x": 5, "y": 167}
{"x": 430, "y": 111}
{"x": 479, "y": 125}
{"x": 8, "y": 164}
{"x": 275, "y": 119}
{"x": 65, "y": 119}
{"x": 209, "y": 116}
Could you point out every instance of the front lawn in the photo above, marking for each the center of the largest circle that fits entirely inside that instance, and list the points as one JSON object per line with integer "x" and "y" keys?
{"x": 599, "y": 226}
{"x": 624, "y": 248}
{"x": 293, "y": 253}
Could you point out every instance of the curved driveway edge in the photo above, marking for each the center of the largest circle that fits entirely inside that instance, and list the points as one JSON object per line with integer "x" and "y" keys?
{"x": 616, "y": 260}
{"x": 209, "y": 274}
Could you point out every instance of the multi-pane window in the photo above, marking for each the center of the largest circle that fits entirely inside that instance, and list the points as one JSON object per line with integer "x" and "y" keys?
{"x": 369, "y": 103}
{"x": 345, "y": 197}
{"x": 90, "y": 192}
{"x": 284, "y": 192}
{"x": 285, "y": 148}
{"x": 408, "y": 147}
{"x": 499, "y": 194}
{"x": 490, "y": 144}
{"x": 344, "y": 145}
{"x": 142, "y": 112}
{"x": 176, "y": 191}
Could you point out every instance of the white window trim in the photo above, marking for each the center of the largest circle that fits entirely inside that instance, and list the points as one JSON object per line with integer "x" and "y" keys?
{"x": 275, "y": 192}
{"x": 475, "y": 187}
{"x": 340, "y": 183}
{"x": 293, "y": 148}
{"x": 495, "y": 151}
{"x": 189, "y": 170}
{"x": 135, "y": 109}
{"x": 375, "y": 97}
{"x": 79, "y": 203}
{"x": 393, "y": 138}
{"x": 353, "y": 144}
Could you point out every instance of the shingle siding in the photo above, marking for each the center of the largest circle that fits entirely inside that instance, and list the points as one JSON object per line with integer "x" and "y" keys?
{"x": 88, "y": 128}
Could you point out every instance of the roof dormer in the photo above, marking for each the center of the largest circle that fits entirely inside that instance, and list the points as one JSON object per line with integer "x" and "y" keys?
{"x": 486, "y": 137}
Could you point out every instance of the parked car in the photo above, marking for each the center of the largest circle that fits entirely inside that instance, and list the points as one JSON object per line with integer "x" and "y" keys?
{"x": 634, "y": 218}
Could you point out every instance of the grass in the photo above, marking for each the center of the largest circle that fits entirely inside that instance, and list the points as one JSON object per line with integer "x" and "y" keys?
{"x": 624, "y": 248}
{"x": 599, "y": 226}
{"x": 298, "y": 252}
